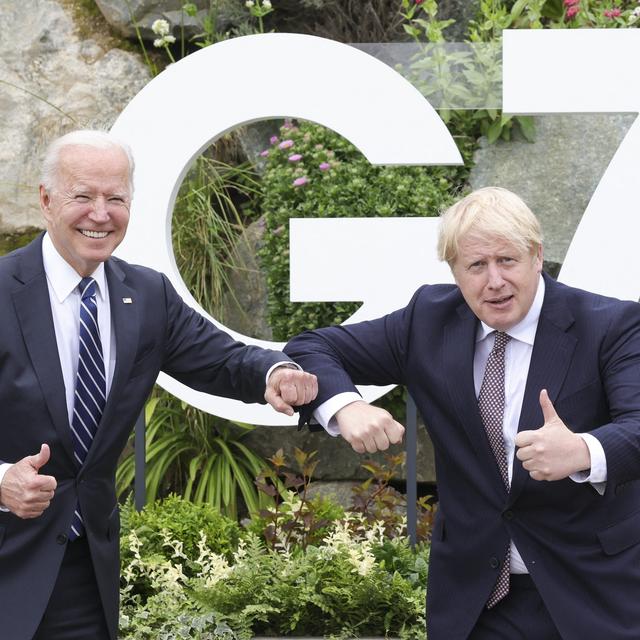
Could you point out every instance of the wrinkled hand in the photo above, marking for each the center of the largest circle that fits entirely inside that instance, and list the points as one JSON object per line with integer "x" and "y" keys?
{"x": 24, "y": 491}
{"x": 553, "y": 451}
{"x": 288, "y": 388}
{"x": 368, "y": 428}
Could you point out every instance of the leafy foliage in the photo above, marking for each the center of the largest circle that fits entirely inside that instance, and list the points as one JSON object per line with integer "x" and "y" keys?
{"x": 379, "y": 502}
{"x": 304, "y": 567}
{"x": 210, "y": 213}
{"x": 181, "y": 520}
{"x": 333, "y": 589}
{"x": 294, "y": 519}
{"x": 196, "y": 455}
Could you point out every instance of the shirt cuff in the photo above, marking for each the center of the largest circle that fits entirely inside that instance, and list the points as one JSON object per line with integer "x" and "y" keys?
{"x": 325, "y": 413}
{"x": 4, "y": 467}
{"x": 285, "y": 363}
{"x": 597, "y": 474}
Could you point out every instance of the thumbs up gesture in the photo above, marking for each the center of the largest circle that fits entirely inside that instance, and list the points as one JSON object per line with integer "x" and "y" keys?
{"x": 553, "y": 451}
{"x": 24, "y": 491}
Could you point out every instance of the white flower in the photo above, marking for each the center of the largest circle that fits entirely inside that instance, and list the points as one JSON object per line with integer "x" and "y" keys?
{"x": 164, "y": 41}
{"x": 267, "y": 4}
{"x": 636, "y": 11}
{"x": 160, "y": 27}
{"x": 249, "y": 4}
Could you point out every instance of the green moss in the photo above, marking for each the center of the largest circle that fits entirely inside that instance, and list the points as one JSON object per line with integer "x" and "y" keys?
{"x": 16, "y": 239}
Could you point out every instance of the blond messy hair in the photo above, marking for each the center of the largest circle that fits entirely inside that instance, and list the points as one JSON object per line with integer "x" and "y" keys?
{"x": 490, "y": 212}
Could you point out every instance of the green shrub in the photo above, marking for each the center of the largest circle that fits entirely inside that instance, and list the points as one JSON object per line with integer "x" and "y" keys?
{"x": 337, "y": 589}
{"x": 181, "y": 520}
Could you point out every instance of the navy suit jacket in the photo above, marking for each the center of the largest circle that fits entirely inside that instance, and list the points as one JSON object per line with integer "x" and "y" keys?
{"x": 157, "y": 331}
{"x": 581, "y": 548}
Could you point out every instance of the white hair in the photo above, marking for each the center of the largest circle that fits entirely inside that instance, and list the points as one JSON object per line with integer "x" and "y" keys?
{"x": 86, "y": 138}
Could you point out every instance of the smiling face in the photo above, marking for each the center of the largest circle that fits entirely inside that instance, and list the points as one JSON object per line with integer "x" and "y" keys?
{"x": 87, "y": 208}
{"x": 498, "y": 280}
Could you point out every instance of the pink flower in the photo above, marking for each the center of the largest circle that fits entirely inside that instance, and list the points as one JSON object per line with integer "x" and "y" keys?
{"x": 285, "y": 144}
{"x": 298, "y": 182}
{"x": 273, "y": 139}
{"x": 419, "y": 1}
{"x": 612, "y": 13}
{"x": 295, "y": 157}
{"x": 569, "y": 3}
{"x": 572, "y": 11}
{"x": 264, "y": 154}
{"x": 325, "y": 166}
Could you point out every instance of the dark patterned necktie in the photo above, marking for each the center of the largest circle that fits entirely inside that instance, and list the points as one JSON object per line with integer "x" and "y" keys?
{"x": 90, "y": 393}
{"x": 491, "y": 402}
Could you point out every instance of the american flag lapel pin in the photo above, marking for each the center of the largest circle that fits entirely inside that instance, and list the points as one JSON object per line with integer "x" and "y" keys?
{"x": 127, "y": 300}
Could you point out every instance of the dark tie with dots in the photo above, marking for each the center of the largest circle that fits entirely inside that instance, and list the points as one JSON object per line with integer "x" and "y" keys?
{"x": 491, "y": 403}
{"x": 90, "y": 393}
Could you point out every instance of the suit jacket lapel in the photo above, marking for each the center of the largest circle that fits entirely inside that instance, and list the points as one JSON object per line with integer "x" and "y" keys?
{"x": 459, "y": 350}
{"x": 125, "y": 325}
{"x": 33, "y": 309}
{"x": 553, "y": 350}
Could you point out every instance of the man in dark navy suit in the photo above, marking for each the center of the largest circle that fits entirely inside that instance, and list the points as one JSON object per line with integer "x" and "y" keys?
{"x": 69, "y": 399}
{"x": 530, "y": 391}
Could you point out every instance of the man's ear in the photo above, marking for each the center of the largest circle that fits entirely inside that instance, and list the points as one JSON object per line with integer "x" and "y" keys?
{"x": 45, "y": 201}
{"x": 540, "y": 258}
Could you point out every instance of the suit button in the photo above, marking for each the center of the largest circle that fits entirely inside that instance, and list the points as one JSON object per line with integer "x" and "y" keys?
{"x": 61, "y": 538}
{"x": 494, "y": 563}
{"x": 509, "y": 515}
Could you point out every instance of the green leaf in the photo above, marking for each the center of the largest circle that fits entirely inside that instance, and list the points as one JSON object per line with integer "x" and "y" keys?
{"x": 527, "y": 127}
{"x": 494, "y": 131}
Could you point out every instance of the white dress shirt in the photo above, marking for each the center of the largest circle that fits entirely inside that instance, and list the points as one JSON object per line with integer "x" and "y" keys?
{"x": 517, "y": 359}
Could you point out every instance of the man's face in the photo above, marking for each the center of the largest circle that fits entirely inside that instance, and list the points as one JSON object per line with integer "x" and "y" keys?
{"x": 498, "y": 280}
{"x": 87, "y": 210}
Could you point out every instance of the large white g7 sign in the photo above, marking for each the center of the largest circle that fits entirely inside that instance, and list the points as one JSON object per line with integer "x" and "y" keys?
{"x": 377, "y": 261}
{"x": 205, "y": 95}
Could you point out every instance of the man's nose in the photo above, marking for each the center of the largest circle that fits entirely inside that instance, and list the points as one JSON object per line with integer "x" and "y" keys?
{"x": 99, "y": 212}
{"x": 495, "y": 276}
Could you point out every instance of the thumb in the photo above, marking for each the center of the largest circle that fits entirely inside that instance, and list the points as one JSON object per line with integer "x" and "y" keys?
{"x": 41, "y": 458}
{"x": 548, "y": 410}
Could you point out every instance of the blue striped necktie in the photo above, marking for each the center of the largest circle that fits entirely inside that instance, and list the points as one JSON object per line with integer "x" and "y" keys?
{"x": 90, "y": 393}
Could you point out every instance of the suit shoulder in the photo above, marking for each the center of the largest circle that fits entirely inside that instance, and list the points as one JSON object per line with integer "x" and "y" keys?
{"x": 137, "y": 273}
{"x": 581, "y": 299}
{"x": 439, "y": 294}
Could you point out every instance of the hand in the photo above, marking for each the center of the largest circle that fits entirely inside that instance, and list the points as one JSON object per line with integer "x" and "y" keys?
{"x": 368, "y": 428}
{"x": 553, "y": 451}
{"x": 23, "y": 491}
{"x": 288, "y": 388}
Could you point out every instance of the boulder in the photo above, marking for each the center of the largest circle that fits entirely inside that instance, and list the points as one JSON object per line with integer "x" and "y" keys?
{"x": 53, "y": 82}
{"x": 125, "y": 16}
{"x": 557, "y": 174}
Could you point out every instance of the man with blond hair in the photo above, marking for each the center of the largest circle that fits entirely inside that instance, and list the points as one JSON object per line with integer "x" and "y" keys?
{"x": 84, "y": 336}
{"x": 530, "y": 391}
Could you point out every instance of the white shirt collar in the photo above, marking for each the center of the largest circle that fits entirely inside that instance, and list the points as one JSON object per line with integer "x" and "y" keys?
{"x": 525, "y": 330}
{"x": 63, "y": 278}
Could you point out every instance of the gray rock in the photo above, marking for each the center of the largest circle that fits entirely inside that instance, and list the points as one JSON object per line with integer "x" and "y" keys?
{"x": 51, "y": 83}
{"x": 557, "y": 174}
{"x": 125, "y": 15}
{"x": 244, "y": 307}
{"x": 337, "y": 460}
{"x": 340, "y": 491}
{"x": 462, "y": 11}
